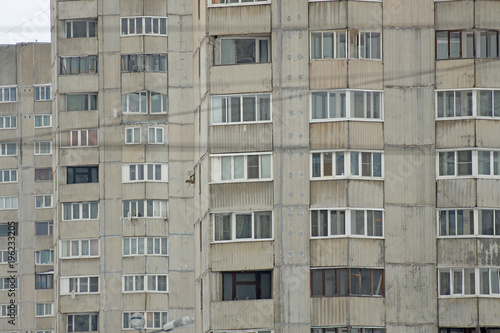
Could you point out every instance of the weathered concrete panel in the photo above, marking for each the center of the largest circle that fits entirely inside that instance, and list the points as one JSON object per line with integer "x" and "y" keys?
{"x": 293, "y": 165}
{"x": 43, "y": 70}
{"x": 486, "y": 72}
{"x": 488, "y": 252}
{"x": 111, "y": 62}
{"x": 180, "y": 42}
{"x": 294, "y": 280}
{"x": 157, "y": 190}
{"x": 8, "y": 56}
{"x": 134, "y": 265}
{"x": 155, "y": 44}
{"x": 409, "y": 175}
{"x": 488, "y": 310}
{"x": 132, "y": 82}
{"x": 366, "y": 135}
{"x": 486, "y": 133}
{"x": 155, "y": 8}
{"x": 135, "y": 153}
{"x": 154, "y": 80}
{"x": 294, "y": 223}
{"x": 77, "y": 83}
{"x": 366, "y": 193}
{"x": 81, "y": 303}
{"x": 456, "y": 193}
{"x": 131, "y": 8}
{"x": 113, "y": 247}
{"x": 488, "y": 194}
{"x": 366, "y": 252}
{"x": 329, "y": 252}
{"x": 132, "y": 44}
{"x": 327, "y": 310}
{"x": 364, "y": 15}
{"x": 328, "y": 74}
{"x": 408, "y": 228}
{"x": 84, "y": 229}
{"x": 181, "y": 259}
{"x": 242, "y": 196}
{"x": 486, "y": 17}
{"x": 77, "y": 46}
{"x": 456, "y": 133}
{"x": 366, "y": 74}
{"x": 453, "y": 252}
{"x": 241, "y": 138}
{"x": 109, "y": 38}
{"x": 420, "y": 282}
{"x": 409, "y": 116}
{"x": 80, "y": 156}
{"x": 367, "y": 311}
{"x": 458, "y": 312}
{"x": 77, "y": 9}
{"x": 242, "y": 256}
{"x": 408, "y": 13}
{"x": 291, "y": 50}
{"x": 413, "y": 328}
{"x": 329, "y": 135}
{"x": 72, "y": 267}
{"x": 78, "y": 119}
{"x": 246, "y": 78}
{"x": 454, "y": 15}
{"x": 328, "y": 193}
{"x": 228, "y": 314}
{"x": 409, "y": 55}
{"x": 79, "y": 192}
{"x": 327, "y": 15}
{"x": 238, "y": 20}
{"x": 181, "y": 135}
{"x": 181, "y": 291}
{"x": 454, "y": 74}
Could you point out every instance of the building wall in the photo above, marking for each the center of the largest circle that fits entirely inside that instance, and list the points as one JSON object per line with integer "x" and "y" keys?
{"x": 25, "y": 68}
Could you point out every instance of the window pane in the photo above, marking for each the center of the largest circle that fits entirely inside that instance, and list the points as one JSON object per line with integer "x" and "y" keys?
{"x": 444, "y": 282}
{"x": 319, "y": 105}
{"x": 316, "y": 45}
{"x": 263, "y": 225}
{"x": 358, "y": 222}
{"x": 243, "y": 226}
{"x": 337, "y": 222}
{"x": 249, "y": 108}
{"x": 222, "y": 227}
{"x": 442, "y": 45}
{"x": 327, "y": 45}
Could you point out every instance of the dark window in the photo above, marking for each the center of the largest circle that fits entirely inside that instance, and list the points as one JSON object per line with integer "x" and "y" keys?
{"x": 347, "y": 281}
{"x": 43, "y": 174}
{"x": 82, "y": 323}
{"x": 5, "y": 228}
{"x": 144, "y": 62}
{"x": 460, "y": 330}
{"x": 44, "y": 281}
{"x": 78, "y": 175}
{"x": 44, "y": 228}
{"x": 79, "y": 65}
{"x": 246, "y": 285}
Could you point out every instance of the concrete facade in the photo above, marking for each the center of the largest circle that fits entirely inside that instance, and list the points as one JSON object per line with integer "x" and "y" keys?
{"x": 263, "y": 166}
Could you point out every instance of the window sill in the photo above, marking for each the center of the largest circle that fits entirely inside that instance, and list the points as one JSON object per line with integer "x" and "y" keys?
{"x": 242, "y": 123}
{"x": 232, "y": 241}
{"x": 239, "y": 4}
{"x": 326, "y": 120}
{"x": 240, "y": 181}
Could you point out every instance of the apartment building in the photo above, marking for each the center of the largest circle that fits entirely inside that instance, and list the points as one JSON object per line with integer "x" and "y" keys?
{"x": 347, "y": 166}
{"x": 124, "y": 123}
{"x": 26, "y": 189}
{"x": 261, "y": 165}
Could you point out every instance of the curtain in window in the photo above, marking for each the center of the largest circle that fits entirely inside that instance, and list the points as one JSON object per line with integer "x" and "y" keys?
{"x": 228, "y": 51}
